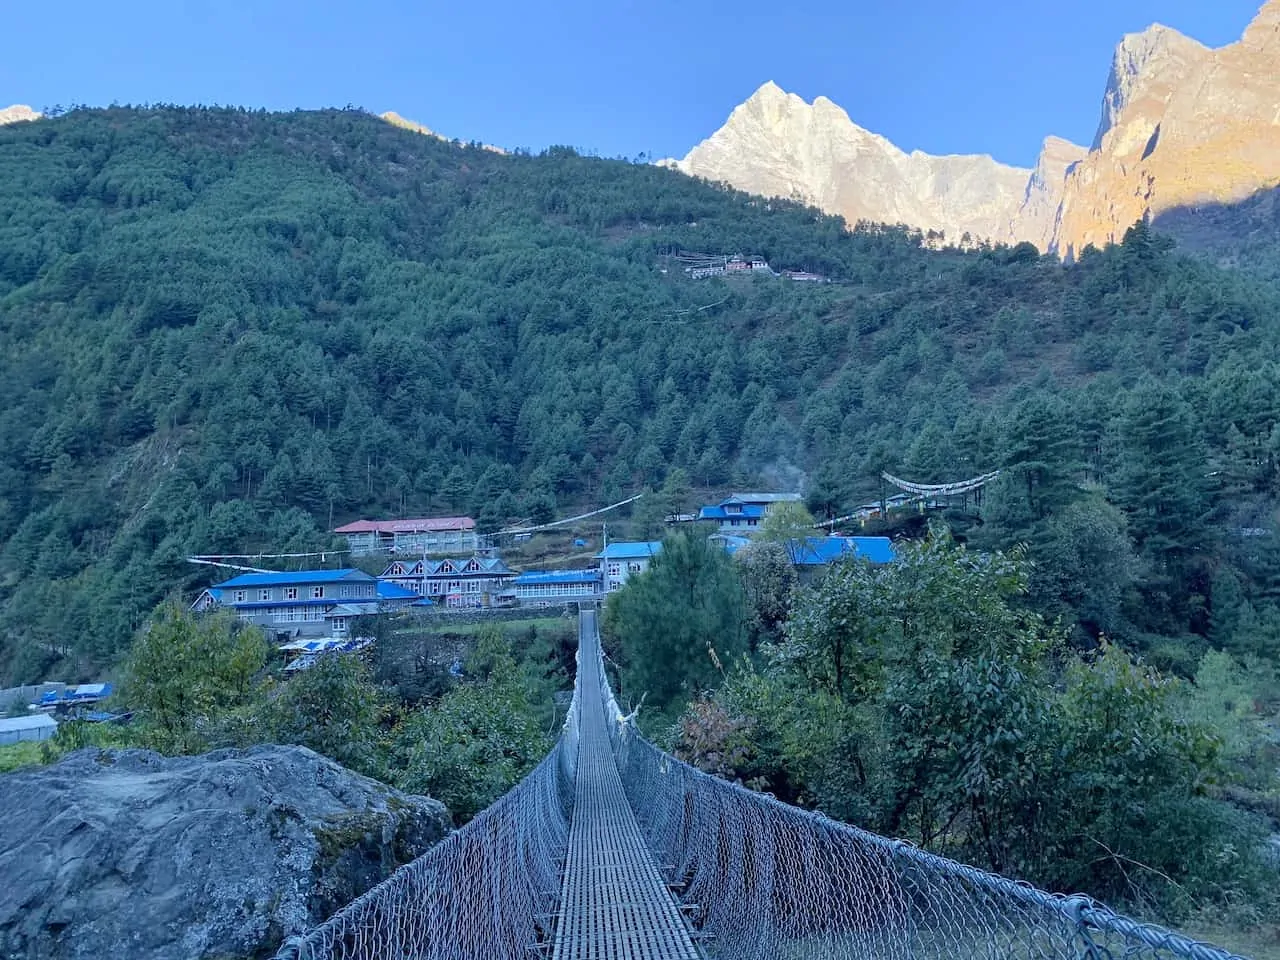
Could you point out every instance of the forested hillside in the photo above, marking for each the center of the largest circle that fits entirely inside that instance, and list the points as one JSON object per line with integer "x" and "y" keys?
{"x": 223, "y": 330}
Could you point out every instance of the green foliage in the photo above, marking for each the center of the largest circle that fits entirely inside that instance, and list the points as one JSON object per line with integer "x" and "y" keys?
{"x": 182, "y": 672}
{"x": 921, "y": 699}
{"x": 227, "y": 331}
{"x": 786, "y": 521}
{"x": 675, "y": 625}
{"x": 479, "y": 739}
{"x": 18, "y": 756}
{"x": 334, "y": 708}
{"x": 768, "y": 582}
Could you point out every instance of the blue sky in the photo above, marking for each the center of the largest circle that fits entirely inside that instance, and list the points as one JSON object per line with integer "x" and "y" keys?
{"x": 620, "y": 78}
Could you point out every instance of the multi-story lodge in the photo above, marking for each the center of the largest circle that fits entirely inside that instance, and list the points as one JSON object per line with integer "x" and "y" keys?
{"x": 305, "y": 603}
{"x": 457, "y": 582}
{"x": 425, "y": 535}
{"x": 624, "y": 559}
{"x": 743, "y": 513}
{"x": 545, "y": 587}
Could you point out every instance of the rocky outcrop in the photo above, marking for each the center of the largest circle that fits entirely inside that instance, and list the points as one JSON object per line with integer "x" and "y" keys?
{"x": 18, "y": 113}
{"x": 776, "y": 144}
{"x": 1182, "y": 125}
{"x": 404, "y": 123}
{"x": 1037, "y": 219}
{"x": 131, "y": 854}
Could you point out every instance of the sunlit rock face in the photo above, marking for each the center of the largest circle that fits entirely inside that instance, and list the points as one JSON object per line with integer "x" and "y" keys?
{"x": 776, "y": 144}
{"x": 1182, "y": 125}
{"x": 18, "y": 113}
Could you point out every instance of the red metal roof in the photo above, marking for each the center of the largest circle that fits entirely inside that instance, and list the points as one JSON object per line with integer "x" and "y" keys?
{"x": 421, "y": 525}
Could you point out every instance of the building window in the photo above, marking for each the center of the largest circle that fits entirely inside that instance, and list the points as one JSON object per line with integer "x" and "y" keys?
{"x": 264, "y": 595}
{"x": 634, "y": 568}
{"x": 291, "y": 593}
{"x": 317, "y": 593}
{"x": 240, "y": 596}
{"x": 339, "y": 624}
{"x": 615, "y": 570}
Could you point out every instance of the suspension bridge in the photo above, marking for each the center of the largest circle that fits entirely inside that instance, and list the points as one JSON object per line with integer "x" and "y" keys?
{"x": 613, "y": 850}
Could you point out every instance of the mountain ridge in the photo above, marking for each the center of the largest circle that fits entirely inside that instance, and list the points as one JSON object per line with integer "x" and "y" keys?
{"x": 1181, "y": 124}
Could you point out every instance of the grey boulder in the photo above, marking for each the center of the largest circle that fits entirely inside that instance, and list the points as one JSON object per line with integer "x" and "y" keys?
{"x": 126, "y": 853}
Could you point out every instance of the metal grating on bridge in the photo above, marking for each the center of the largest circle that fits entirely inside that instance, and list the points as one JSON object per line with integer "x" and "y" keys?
{"x": 614, "y": 904}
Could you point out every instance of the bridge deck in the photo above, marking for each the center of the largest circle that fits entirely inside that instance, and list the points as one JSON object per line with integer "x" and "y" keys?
{"x": 614, "y": 904}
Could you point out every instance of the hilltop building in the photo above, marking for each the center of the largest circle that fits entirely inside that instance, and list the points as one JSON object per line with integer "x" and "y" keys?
{"x": 422, "y": 536}
{"x": 306, "y": 603}
{"x": 743, "y": 513}
{"x": 472, "y": 582}
{"x": 623, "y": 559}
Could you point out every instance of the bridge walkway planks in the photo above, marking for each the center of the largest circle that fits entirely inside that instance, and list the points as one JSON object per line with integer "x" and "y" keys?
{"x": 614, "y": 904}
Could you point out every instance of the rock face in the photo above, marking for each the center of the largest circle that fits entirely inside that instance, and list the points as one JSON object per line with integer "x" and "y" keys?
{"x": 1182, "y": 126}
{"x": 404, "y": 123}
{"x": 17, "y": 113}
{"x": 131, "y": 854}
{"x": 1037, "y": 220}
{"x": 775, "y": 144}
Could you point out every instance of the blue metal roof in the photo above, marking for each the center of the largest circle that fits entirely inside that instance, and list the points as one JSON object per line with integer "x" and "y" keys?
{"x": 816, "y": 551}
{"x": 557, "y": 576}
{"x": 281, "y": 579}
{"x": 393, "y": 591}
{"x": 875, "y": 549}
{"x": 630, "y": 550}
{"x": 718, "y": 512}
{"x": 300, "y": 602}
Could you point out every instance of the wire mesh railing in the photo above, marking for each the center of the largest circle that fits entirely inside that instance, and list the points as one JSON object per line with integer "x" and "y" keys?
{"x": 488, "y": 890}
{"x": 761, "y": 880}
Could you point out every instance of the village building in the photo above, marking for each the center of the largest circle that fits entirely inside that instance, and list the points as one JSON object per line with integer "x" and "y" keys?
{"x": 420, "y": 537}
{"x": 36, "y": 726}
{"x": 743, "y": 513}
{"x": 455, "y": 582}
{"x": 813, "y": 553}
{"x": 740, "y": 265}
{"x": 542, "y": 588}
{"x": 305, "y": 603}
{"x": 623, "y": 559}
{"x": 84, "y": 694}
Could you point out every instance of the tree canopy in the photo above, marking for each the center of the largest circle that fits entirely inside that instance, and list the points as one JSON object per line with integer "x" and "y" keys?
{"x": 227, "y": 331}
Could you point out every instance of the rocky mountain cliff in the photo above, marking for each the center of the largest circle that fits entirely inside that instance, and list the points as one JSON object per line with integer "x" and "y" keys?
{"x": 776, "y": 144}
{"x": 215, "y": 856}
{"x": 1182, "y": 125}
{"x": 17, "y": 113}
